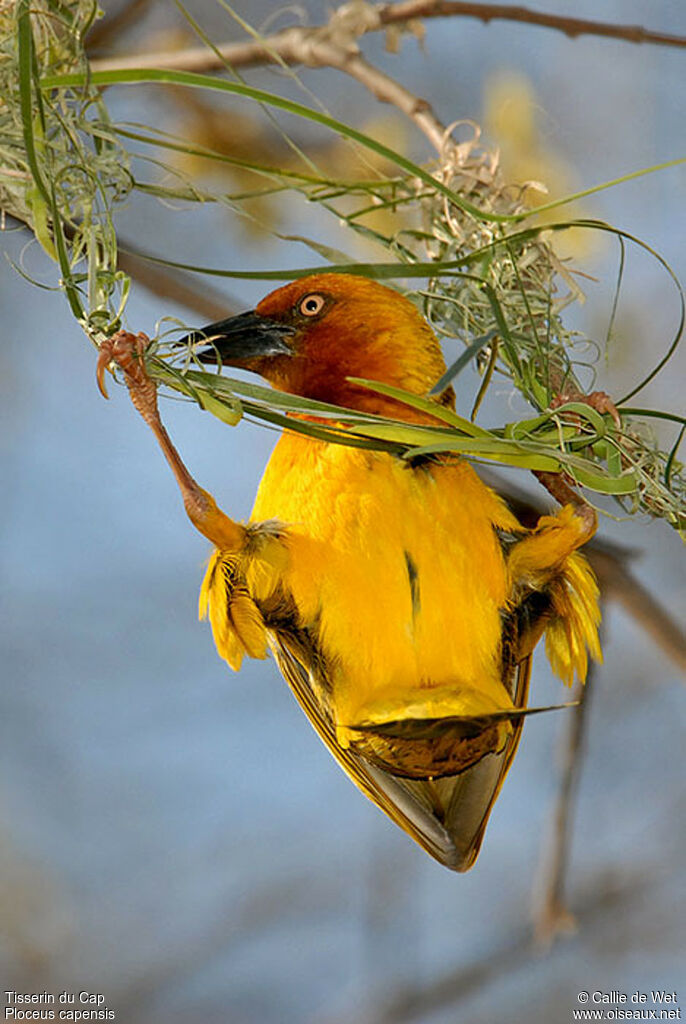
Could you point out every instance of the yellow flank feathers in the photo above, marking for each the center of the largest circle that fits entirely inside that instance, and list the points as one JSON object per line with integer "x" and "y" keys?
{"x": 233, "y": 580}
{"x": 574, "y": 628}
{"x": 546, "y": 560}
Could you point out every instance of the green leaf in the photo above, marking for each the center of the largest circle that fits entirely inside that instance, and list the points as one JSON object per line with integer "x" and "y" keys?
{"x": 604, "y": 484}
{"x": 538, "y": 463}
{"x": 228, "y": 412}
{"x": 39, "y": 214}
{"x": 439, "y": 412}
{"x": 458, "y": 366}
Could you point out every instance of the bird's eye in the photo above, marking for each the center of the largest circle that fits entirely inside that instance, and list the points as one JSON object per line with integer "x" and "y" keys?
{"x": 312, "y": 305}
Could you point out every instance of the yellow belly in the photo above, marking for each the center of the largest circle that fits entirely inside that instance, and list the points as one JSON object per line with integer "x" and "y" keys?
{"x": 399, "y": 571}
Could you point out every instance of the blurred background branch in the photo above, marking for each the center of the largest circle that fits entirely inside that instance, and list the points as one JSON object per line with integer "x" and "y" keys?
{"x": 307, "y": 45}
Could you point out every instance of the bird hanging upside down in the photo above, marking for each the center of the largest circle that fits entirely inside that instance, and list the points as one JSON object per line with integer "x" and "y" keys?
{"x": 402, "y": 601}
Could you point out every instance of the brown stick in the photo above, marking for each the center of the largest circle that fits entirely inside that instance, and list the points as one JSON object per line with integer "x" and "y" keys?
{"x": 618, "y": 584}
{"x": 556, "y": 485}
{"x": 551, "y": 916}
{"x": 573, "y": 27}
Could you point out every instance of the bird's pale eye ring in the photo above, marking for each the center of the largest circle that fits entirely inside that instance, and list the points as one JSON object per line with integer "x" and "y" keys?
{"x": 312, "y": 304}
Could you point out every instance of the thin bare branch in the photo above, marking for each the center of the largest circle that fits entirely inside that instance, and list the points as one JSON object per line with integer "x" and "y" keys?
{"x": 409, "y": 10}
{"x": 551, "y": 916}
{"x": 335, "y": 45}
{"x": 299, "y": 45}
{"x": 326, "y": 53}
{"x": 618, "y": 584}
{"x": 200, "y": 58}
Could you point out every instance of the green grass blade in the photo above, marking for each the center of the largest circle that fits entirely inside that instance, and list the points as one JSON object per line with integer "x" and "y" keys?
{"x": 456, "y": 368}
{"x": 426, "y": 405}
{"x": 26, "y": 70}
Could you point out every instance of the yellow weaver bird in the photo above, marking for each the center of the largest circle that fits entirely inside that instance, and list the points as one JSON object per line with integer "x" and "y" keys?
{"x": 402, "y": 601}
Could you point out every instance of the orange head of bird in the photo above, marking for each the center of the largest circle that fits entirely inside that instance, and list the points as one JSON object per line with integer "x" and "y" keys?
{"x": 311, "y": 336}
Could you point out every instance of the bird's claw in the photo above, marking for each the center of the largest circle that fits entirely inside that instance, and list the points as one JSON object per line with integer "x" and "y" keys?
{"x": 602, "y": 403}
{"x": 560, "y": 485}
{"x": 127, "y": 351}
{"x": 598, "y": 400}
{"x": 104, "y": 360}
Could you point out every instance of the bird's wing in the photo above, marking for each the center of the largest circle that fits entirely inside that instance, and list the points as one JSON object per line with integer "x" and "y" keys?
{"x": 446, "y": 816}
{"x": 470, "y": 796}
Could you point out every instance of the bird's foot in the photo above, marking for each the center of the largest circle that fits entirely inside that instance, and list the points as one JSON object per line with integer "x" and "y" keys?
{"x": 598, "y": 400}
{"x": 127, "y": 350}
{"x": 561, "y": 485}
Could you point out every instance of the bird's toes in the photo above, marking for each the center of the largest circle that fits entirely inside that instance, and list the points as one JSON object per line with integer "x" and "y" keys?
{"x": 598, "y": 400}
{"x": 602, "y": 403}
{"x": 127, "y": 351}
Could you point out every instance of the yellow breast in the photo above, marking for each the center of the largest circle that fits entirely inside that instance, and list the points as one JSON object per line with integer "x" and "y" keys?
{"x": 399, "y": 571}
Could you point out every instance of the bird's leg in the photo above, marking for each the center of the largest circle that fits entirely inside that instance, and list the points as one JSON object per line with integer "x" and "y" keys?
{"x": 559, "y": 484}
{"x": 127, "y": 351}
{"x": 537, "y": 559}
{"x": 556, "y": 485}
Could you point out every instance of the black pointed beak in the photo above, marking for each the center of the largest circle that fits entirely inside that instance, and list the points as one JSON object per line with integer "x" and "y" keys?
{"x": 240, "y": 339}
